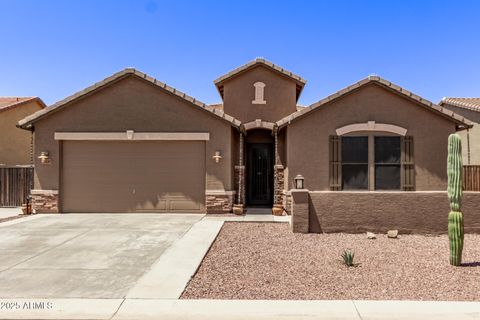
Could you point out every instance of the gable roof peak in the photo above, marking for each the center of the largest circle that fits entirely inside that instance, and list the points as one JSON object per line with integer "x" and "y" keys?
{"x": 7, "y": 103}
{"x": 256, "y": 62}
{"x": 259, "y": 61}
{"x": 461, "y": 121}
{"x": 27, "y": 122}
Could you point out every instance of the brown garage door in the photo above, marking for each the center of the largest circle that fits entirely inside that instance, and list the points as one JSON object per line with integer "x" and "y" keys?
{"x": 133, "y": 176}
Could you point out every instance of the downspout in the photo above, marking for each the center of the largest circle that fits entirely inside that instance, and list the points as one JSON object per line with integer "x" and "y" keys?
{"x": 240, "y": 163}
{"x": 468, "y": 145}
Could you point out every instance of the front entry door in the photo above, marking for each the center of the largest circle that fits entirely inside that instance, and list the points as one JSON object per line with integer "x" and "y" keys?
{"x": 259, "y": 174}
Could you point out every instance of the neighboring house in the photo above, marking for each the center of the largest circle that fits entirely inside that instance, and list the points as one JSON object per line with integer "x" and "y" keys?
{"x": 16, "y": 144}
{"x": 131, "y": 143}
{"x": 470, "y": 109}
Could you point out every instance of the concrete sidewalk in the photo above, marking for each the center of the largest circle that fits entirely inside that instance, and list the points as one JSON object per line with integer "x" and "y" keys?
{"x": 121, "y": 309}
{"x": 10, "y": 212}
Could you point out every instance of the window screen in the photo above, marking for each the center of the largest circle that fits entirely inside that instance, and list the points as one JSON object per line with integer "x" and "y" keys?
{"x": 387, "y": 163}
{"x": 355, "y": 163}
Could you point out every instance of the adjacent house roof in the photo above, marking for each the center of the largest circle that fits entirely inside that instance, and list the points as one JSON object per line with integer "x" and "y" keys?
{"x": 252, "y": 64}
{"x": 461, "y": 121}
{"x": 7, "y": 103}
{"x": 27, "y": 122}
{"x": 465, "y": 103}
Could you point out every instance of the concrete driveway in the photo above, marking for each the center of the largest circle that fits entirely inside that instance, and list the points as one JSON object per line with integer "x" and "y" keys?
{"x": 84, "y": 255}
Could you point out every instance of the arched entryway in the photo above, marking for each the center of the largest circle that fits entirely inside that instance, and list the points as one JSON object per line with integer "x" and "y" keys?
{"x": 259, "y": 170}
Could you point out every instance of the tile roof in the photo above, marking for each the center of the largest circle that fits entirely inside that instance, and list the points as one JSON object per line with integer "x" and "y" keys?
{"x": 458, "y": 119}
{"x": 465, "y": 103}
{"x": 27, "y": 122}
{"x": 7, "y": 103}
{"x": 215, "y": 106}
{"x": 260, "y": 61}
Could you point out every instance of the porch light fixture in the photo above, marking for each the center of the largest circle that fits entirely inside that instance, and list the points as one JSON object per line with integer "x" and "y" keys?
{"x": 217, "y": 157}
{"x": 44, "y": 157}
{"x": 299, "y": 179}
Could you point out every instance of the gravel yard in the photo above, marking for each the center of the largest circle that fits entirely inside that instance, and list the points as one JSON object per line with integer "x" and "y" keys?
{"x": 268, "y": 261}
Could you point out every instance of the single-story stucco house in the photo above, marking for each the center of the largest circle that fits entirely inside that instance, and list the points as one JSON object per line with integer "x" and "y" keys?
{"x": 131, "y": 143}
{"x": 470, "y": 109}
{"x": 15, "y": 145}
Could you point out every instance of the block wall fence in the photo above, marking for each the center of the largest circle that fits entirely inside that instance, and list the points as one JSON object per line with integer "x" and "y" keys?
{"x": 358, "y": 212}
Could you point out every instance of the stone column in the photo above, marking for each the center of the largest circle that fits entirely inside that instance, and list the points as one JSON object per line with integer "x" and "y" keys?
{"x": 240, "y": 178}
{"x": 278, "y": 180}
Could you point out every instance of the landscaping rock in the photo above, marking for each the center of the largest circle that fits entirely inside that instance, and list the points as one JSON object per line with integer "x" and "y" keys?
{"x": 393, "y": 234}
{"x": 371, "y": 235}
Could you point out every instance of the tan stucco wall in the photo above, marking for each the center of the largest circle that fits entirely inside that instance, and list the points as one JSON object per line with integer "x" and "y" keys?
{"x": 15, "y": 143}
{"x": 408, "y": 212}
{"x": 470, "y": 137}
{"x": 280, "y": 96}
{"x": 133, "y": 104}
{"x": 308, "y": 144}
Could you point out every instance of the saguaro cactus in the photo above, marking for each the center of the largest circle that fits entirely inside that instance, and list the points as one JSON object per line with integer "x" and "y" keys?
{"x": 455, "y": 217}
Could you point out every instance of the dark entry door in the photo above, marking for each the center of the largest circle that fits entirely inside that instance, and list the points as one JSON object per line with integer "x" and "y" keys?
{"x": 259, "y": 174}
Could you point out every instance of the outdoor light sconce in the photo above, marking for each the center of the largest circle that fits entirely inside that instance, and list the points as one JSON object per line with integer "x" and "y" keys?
{"x": 299, "y": 179}
{"x": 217, "y": 156}
{"x": 44, "y": 157}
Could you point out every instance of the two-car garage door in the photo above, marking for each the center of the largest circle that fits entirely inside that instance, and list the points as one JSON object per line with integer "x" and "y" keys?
{"x": 133, "y": 176}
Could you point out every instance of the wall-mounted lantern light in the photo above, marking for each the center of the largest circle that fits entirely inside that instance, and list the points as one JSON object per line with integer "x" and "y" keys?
{"x": 44, "y": 157}
{"x": 299, "y": 179}
{"x": 217, "y": 156}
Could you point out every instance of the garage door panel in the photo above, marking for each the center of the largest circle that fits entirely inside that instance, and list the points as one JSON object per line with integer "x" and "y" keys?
{"x": 133, "y": 176}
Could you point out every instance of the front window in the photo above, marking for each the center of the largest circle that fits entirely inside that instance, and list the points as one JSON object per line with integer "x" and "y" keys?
{"x": 355, "y": 163}
{"x": 371, "y": 163}
{"x": 387, "y": 163}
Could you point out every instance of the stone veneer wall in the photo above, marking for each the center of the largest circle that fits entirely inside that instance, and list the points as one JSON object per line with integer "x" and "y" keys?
{"x": 239, "y": 178}
{"x": 220, "y": 201}
{"x": 45, "y": 201}
{"x": 408, "y": 211}
{"x": 279, "y": 183}
{"x": 287, "y": 201}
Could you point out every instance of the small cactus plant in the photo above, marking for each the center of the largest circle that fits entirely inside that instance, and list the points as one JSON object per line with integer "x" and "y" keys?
{"x": 347, "y": 257}
{"x": 455, "y": 217}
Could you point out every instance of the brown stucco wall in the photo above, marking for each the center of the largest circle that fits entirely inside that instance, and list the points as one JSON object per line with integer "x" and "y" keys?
{"x": 307, "y": 138}
{"x": 280, "y": 96}
{"x": 133, "y": 104}
{"x": 470, "y": 137}
{"x": 15, "y": 143}
{"x": 408, "y": 212}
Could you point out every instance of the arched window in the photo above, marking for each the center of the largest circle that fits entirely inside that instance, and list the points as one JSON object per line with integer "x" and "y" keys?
{"x": 259, "y": 93}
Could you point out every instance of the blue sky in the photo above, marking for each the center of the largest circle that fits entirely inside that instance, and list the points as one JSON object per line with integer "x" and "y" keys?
{"x": 52, "y": 49}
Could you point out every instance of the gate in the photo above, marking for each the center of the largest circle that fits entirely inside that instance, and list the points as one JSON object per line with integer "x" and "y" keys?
{"x": 15, "y": 185}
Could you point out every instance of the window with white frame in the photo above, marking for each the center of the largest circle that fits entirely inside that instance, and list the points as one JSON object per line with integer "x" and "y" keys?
{"x": 259, "y": 93}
